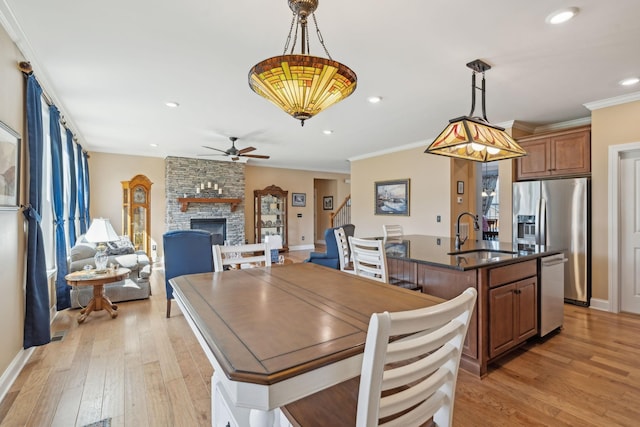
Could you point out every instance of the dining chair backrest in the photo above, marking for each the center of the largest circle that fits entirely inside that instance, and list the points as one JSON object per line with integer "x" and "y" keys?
{"x": 423, "y": 364}
{"x": 275, "y": 244}
{"x": 185, "y": 252}
{"x": 409, "y": 371}
{"x": 391, "y": 231}
{"x": 369, "y": 258}
{"x": 241, "y": 255}
{"x": 344, "y": 253}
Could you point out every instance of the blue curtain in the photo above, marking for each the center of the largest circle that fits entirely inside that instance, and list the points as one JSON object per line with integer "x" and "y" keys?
{"x": 82, "y": 206}
{"x": 72, "y": 190}
{"x": 87, "y": 192}
{"x": 36, "y": 319}
{"x": 63, "y": 298}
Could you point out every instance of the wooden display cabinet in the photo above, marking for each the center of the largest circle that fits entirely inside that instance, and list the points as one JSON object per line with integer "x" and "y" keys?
{"x": 136, "y": 212}
{"x": 270, "y": 206}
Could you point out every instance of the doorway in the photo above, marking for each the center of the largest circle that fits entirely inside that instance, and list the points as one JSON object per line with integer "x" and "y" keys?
{"x": 490, "y": 199}
{"x": 624, "y": 238}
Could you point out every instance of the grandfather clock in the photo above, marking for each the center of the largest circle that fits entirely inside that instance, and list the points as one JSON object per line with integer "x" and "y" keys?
{"x": 136, "y": 212}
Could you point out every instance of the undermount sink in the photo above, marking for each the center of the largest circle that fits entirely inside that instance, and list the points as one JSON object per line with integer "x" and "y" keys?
{"x": 482, "y": 253}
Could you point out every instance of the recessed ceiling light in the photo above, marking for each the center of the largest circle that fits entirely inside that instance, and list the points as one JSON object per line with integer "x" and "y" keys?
{"x": 629, "y": 82}
{"x": 172, "y": 104}
{"x": 562, "y": 15}
{"x": 374, "y": 99}
{"x": 153, "y": 145}
{"x": 327, "y": 132}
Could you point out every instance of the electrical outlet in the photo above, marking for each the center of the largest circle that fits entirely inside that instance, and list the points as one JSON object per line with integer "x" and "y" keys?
{"x": 438, "y": 218}
{"x": 302, "y": 238}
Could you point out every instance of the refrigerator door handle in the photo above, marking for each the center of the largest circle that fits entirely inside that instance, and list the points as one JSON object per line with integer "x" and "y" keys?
{"x": 542, "y": 220}
{"x": 537, "y": 225}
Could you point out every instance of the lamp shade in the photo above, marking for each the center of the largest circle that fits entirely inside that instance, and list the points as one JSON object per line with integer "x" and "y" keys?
{"x": 101, "y": 231}
{"x": 302, "y": 85}
{"x": 472, "y": 138}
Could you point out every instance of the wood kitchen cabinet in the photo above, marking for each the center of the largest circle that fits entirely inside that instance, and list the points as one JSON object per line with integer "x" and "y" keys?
{"x": 564, "y": 153}
{"x": 513, "y": 307}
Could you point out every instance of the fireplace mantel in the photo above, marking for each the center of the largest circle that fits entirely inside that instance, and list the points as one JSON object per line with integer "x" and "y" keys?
{"x": 184, "y": 202}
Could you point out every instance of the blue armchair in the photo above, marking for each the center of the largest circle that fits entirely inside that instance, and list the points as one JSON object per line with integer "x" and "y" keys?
{"x": 330, "y": 258}
{"x": 186, "y": 252}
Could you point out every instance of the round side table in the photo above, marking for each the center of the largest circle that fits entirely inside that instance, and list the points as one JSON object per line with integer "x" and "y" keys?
{"x": 92, "y": 278}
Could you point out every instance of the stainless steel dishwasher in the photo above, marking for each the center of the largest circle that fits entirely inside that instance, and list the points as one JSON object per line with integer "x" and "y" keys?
{"x": 551, "y": 292}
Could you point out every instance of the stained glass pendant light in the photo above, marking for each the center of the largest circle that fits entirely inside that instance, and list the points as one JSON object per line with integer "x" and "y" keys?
{"x": 300, "y": 84}
{"x": 474, "y": 138}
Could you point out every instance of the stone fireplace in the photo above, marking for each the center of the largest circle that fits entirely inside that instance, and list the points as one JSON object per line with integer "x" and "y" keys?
{"x": 183, "y": 175}
{"x": 216, "y": 226}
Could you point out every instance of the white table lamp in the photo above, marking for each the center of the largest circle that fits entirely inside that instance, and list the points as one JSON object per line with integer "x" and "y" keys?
{"x": 101, "y": 232}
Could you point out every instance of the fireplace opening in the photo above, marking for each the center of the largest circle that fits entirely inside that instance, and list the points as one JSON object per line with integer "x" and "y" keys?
{"x": 215, "y": 226}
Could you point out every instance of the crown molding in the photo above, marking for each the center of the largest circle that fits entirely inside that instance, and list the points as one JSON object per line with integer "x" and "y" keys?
{"x": 424, "y": 143}
{"x": 610, "y": 102}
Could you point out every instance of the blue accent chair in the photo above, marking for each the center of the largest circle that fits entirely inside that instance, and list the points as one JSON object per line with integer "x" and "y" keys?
{"x": 330, "y": 258}
{"x": 186, "y": 252}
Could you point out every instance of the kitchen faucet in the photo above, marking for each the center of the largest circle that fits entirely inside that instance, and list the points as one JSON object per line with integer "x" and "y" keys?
{"x": 476, "y": 227}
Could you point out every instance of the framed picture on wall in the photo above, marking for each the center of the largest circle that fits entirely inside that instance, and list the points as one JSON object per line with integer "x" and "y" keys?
{"x": 298, "y": 199}
{"x": 327, "y": 203}
{"x": 9, "y": 167}
{"x": 392, "y": 197}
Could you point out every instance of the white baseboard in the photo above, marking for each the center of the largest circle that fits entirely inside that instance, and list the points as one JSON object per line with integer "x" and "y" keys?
{"x": 302, "y": 248}
{"x": 13, "y": 370}
{"x": 600, "y": 304}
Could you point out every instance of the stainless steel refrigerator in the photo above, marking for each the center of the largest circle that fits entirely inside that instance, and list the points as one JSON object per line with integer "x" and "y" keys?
{"x": 557, "y": 213}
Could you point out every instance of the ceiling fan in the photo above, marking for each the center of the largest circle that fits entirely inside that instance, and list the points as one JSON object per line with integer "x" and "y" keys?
{"x": 234, "y": 152}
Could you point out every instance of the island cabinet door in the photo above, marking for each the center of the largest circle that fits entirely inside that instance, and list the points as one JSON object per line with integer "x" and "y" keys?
{"x": 502, "y": 318}
{"x": 513, "y": 315}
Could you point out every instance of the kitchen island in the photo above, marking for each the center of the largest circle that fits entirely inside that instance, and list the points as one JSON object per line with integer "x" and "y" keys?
{"x": 505, "y": 275}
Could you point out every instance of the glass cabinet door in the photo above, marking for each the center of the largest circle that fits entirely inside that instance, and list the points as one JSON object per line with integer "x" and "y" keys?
{"x": 271, "y": 214}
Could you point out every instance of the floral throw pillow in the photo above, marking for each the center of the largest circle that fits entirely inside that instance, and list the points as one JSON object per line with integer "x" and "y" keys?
{"x": 120, "y": 247}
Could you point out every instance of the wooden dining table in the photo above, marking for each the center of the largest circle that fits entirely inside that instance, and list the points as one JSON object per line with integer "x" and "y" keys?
{"x": 277, "y": 334}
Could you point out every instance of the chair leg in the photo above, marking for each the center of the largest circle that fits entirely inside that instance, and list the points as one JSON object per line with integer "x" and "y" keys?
{"x": 168, "y": 308}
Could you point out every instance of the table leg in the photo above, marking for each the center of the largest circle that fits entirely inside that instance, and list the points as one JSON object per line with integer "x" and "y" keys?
{"x": 87, "y": 310}
{"x": 259, "y": 418}
{"x": 109, "y": 306}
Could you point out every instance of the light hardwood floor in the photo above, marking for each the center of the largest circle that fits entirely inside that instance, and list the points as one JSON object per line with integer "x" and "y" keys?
{"x": 142, "y": 369}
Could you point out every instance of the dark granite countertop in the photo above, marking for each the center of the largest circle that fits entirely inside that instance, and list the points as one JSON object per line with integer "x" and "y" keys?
{"x": 474, "y": 254}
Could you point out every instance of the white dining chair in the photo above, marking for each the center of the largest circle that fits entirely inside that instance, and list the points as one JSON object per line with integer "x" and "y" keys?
{"x": 241, "y": 255}
{"x": 391, "y": 231}
{"x": 344, "y": 253}
{"x": 404, "y": 381}
{"x": 275, "y": 244}
{"x": 369, "y": 258}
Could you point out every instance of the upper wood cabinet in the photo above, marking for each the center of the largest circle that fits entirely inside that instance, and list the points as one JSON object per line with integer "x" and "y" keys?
{"x": 564, "y": 153}
{"x": 136, "y": 212}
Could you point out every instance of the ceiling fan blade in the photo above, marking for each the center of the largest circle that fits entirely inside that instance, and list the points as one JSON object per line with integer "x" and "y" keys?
{"x": 217, "y": 149}
{"x": 246, "y": 150}
{"x": 255, "y": 156}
